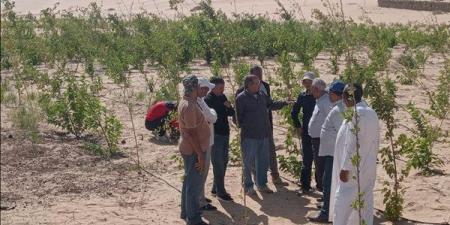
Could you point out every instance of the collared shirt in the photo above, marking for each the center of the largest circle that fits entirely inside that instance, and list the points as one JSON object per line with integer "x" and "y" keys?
{"x": 210, "y": 116}
{"x": 305, "y": 102}
{"x": 221, "y": 127}
{"x": 320, "y": 113}
{"x": 190, "y": 117}
{"x": 330, "y": 129}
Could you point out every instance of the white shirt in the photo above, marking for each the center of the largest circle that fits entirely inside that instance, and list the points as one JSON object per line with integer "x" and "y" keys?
{"x": 210, "y": 116}
{"x": 330, "y": 129}
{"x": 346, "y": 192}
{"x": 320, "y": 113}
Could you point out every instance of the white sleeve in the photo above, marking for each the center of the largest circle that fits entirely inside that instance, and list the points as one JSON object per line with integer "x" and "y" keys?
{"x": 349, "y": 148}
{"x": 210, "y": 114}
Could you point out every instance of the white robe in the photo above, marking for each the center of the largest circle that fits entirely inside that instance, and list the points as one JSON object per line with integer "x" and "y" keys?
{"x": 343, "y": 194}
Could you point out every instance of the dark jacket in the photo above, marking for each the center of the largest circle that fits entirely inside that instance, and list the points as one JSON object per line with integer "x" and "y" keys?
{"x": 306, "y": 102}
{"x": 221, "y": 127}
{"x": 267, "y": 86}
{"x": 253, "y": 114}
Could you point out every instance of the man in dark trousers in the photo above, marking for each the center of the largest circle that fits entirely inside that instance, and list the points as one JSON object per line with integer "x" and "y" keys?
{"x": 219, "y": 153}
{"x": 273, "y": 164}
{"x": 305, "y": 102}
{"x": 252, "y": 112}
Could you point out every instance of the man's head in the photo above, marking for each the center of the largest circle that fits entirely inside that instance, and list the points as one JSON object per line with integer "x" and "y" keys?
{"x": 352, "y": 94}
{"x": 318, "y": 88}
{"x": 205, "y": 86}
{"x": 336, "y": 90}
{"x": 219, "y": 85}
{"x": 251, "y": 83}
{"x": 190, "y": 86}
{"x": 257, "y": 71}
{"x": 308, "y": 77}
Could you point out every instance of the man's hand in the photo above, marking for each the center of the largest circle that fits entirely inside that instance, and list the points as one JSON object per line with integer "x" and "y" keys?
{"x": 300, "y": 131}
{"x": 290, "y": 102}
{"x": 227, "y": 104}
{"x": 344, "y": 176}
{"x": 200, "y": 165}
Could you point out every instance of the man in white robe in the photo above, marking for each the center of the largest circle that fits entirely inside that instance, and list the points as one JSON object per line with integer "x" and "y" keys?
{"x": 211, "y": 117}
{"x": 344, "y": 172}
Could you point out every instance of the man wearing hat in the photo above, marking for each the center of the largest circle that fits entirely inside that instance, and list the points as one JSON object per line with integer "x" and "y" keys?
{"x": 328, "y": 135}
{"x": 194, "y": 143}
{"x": 305, "y": 102}
{"x": 211, "y": 117}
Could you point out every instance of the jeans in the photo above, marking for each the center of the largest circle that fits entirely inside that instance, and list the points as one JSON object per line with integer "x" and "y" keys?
{"x": 202, "y": 198}
{"x": 307, "y": 154}
{"x": 219, "y": 160}
{"x": 190, "y": 210}
{"x": 255, "y": 152}
{"x": 318, "y": 163}
{"x": 327, "y": 175}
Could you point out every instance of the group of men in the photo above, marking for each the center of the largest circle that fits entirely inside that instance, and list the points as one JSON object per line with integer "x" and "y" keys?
{"x": 328, "y": 140}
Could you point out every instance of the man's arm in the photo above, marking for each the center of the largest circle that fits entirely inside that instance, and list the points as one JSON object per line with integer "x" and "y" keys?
{"x": 210, "y": 114}
{"x": 229, "y": 110}
{"x": 295, "y": 111}
{"x": 240, "y": 107}
{"x": 274, "y": 105}
{"x": 349, "y": 152}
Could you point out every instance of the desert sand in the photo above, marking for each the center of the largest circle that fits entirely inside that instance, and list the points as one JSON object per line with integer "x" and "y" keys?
{"x": 358, "y": 10}
{"x": 58, "y": 182}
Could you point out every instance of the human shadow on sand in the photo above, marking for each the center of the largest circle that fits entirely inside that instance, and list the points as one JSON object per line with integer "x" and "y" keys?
{"x": 238, "y": 214}
{"x": 284, "y": 203}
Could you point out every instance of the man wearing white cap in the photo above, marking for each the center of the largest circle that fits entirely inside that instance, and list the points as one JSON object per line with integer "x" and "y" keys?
{"x": 305, "y": 102}
{"x": 211, "y": 117}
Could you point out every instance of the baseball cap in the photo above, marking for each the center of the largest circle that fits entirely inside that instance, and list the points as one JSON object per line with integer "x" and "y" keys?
{"x": 308, "y": 76}
{"x": 203, "y": 82}
{"x": 337, "y": 86}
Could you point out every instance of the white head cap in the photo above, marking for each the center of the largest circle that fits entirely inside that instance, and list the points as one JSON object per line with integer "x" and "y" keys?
{"x": 203, "y": 82}
{"x": 308, "y": 76}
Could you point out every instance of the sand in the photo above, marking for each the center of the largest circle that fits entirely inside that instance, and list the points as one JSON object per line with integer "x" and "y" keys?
{"x": 358, "y": 10}
{"x": 58, "y": 182}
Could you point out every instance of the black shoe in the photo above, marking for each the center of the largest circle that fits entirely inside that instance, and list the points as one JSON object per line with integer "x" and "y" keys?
{"x": 320, "y": 189}
{"x": 208, "y": 200}
{"x": 319, "y": 205}
{"x": 213, "y": 193}
{"x": 208, "y": 207}
{"x": 225, "y": 197}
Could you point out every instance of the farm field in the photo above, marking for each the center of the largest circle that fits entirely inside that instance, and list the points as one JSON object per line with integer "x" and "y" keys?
{"x": 62, "y": 164}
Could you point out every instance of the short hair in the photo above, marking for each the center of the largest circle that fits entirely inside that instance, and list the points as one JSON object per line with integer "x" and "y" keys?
{"x": 355, "y": 90}
{"x": 249, "y": 79}
{"x": 255, "y": 69}
{"x": 217, "y": 80}
{"x": 319, "y": 83}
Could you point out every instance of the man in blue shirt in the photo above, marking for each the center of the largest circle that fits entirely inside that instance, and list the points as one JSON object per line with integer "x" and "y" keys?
{"x": 305, "y": 102}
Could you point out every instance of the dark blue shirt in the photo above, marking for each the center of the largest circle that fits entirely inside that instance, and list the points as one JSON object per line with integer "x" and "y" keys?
{"x": 306, "y": 102}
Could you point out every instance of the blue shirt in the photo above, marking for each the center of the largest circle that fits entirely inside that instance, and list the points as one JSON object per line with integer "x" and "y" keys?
{"x": 306, "y": 103}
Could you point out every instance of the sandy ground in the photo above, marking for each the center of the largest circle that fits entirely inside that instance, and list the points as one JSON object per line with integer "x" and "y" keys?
{"x": 58, "y": 182}
{"x": 358, "y": 10}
